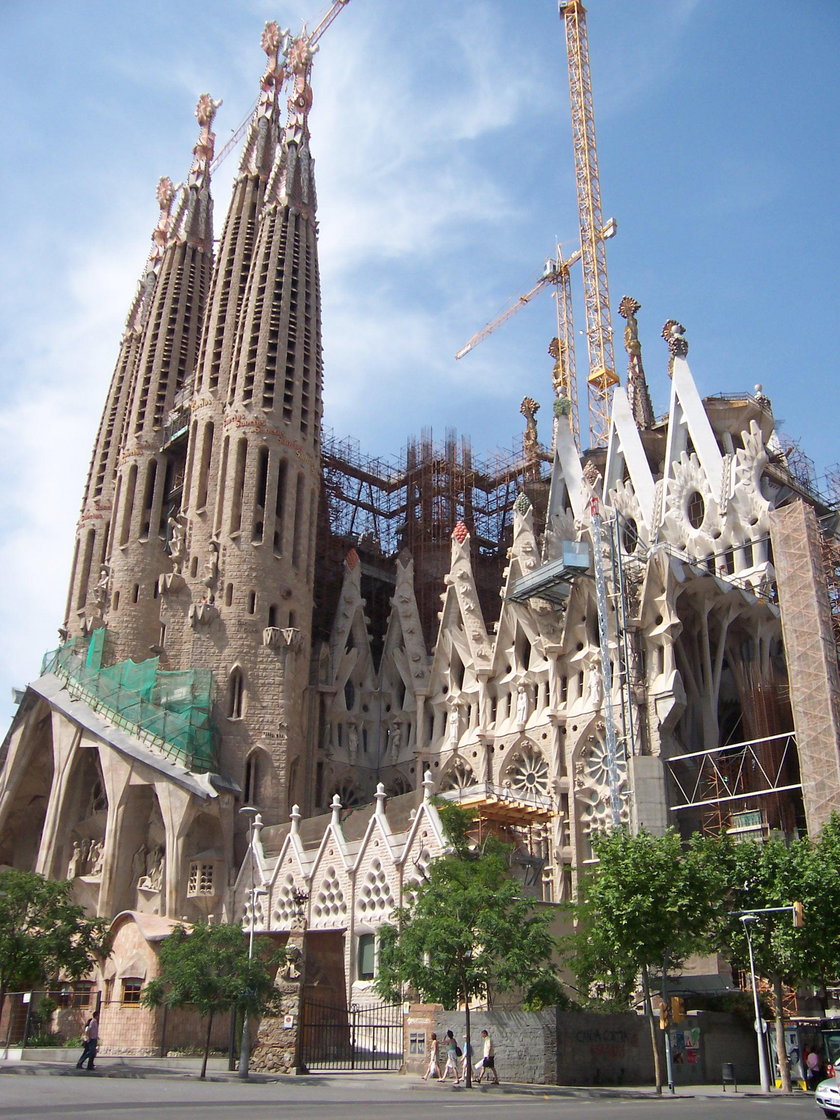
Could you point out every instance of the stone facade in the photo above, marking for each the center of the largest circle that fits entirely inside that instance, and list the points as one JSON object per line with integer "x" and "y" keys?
{"x": 637, "y": 664}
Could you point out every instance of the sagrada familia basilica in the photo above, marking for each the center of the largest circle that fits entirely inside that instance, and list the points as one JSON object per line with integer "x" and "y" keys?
{"x": 641, "y": 632}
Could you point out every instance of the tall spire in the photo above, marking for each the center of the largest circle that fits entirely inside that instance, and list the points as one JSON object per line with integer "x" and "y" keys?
{"x": 87, "y": 599}
{"x": 193, "y": 221}
{"x": 263, "y": 133}
{"x": 637, "y": 389}
{"x": 151, "y": 467}
{"x": 292, "y": 180}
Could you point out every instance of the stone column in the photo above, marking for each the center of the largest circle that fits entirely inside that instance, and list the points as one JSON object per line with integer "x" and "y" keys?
{"x": 277, "y": 1047}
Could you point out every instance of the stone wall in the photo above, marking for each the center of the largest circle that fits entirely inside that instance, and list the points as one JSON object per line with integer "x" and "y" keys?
{"x": 524, "y": 1040}
{"x": 585, "y": 1048}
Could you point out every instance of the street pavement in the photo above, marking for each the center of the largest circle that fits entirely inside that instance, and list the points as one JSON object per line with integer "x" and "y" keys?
{"x": 140, "y": 1089}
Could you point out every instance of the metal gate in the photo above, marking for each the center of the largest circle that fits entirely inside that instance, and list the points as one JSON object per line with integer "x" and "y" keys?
{"x": 365, "y": 1037}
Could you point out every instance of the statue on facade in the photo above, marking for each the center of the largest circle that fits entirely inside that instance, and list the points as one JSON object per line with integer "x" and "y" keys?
{"x": 394, "y": 739}
{"x": 292, "y": 970}
{"x": 454, "y": 725}
{"x": 100, "y": 590}
{"x": 352, "y": 741}
{"x": 153, "y": 880}
{"x": 95, "y": 858}
{"x": 138, "y": 864}
{"x": 177, "y": 541}
{"x": 521, "y": 704}
{"x": 77, "y": 859}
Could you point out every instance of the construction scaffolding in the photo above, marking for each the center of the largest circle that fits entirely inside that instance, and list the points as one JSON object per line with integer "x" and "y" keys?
{"x": 808, "y": 625}
{"x": 168, "y": 711}
{"x": 413, "y": 501}
{"x": 423, "y": 493}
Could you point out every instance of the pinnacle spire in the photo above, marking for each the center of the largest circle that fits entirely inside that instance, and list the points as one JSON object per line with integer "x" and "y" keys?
{"x": 637, "y": 388}
{"x": 165, "y": 193}
{"x": 193, "y": 221}
{"x": 292, "y": 180}
{"x": 264, "y": 130}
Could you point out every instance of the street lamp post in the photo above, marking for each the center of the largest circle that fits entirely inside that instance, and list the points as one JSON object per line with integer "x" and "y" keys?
{"x": 245, "y": 1045}
{"x": 763, "y": 1069}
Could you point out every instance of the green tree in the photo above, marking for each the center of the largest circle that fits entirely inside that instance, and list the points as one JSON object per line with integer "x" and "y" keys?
{"x": 43, "y": 935}
{"x": 208, "y": 967}
{"x": 466, "y": 930}
{"x": 648, "y": 904}
{"x": 769, "y": 876}
{"x": 818, "y": 889}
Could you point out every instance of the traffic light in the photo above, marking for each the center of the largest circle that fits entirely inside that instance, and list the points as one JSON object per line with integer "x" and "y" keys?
{"x": 664, "y": 1015}
{"x": 798, "y": 915}
{"x": 677, "y": 1009}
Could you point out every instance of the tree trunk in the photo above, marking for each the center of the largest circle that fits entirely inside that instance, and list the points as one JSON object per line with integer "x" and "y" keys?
{"x": 206, "y": 1045}
{"x": 781, "y": 1049}
{"x": 654, "y": 1041}
{"x": 467, "y": 1044}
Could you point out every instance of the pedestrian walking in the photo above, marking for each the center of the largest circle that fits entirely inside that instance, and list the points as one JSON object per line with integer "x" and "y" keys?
{"x": 434, "y": 1059}
{"x": 813, "y": 1070}
{"x": 487, "y": 1065}
{"x": 453, "y": 1053}
{"x": 466, "y": 1059}
{"x": 90, "y": 1039}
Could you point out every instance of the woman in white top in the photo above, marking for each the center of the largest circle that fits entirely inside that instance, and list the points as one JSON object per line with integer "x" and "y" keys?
{"x": 434, "y": 1058}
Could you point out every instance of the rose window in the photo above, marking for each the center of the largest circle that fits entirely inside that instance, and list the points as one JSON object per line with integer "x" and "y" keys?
{"x": 459, "y": 776}
{"x": 528, "y": 774}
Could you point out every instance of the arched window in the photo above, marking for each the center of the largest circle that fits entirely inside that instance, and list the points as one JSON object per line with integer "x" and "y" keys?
{"x": 236, "y": 693}
{"x": 253, "y": 774}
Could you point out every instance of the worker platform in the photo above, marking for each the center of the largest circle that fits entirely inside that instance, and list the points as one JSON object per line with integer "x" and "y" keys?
{"x": 553, "y": 581}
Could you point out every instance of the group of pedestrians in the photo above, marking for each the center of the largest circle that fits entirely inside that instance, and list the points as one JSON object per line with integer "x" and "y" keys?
{"x": 485, "y": 1067}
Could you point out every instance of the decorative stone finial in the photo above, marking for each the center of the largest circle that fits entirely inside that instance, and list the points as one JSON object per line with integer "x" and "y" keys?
{"x": 295, "y": 816}
{"x": 460, "y": 532}
{"x": 522, "y": 503}
{"x": 674, "y": 334}
{"x": 165, "y": 194}
{"x": 637, "y": 390}
{"x": 530, "y": 443}
{"x": 381, "y": 797}
{"x": 351, "y": 559}
{"x": 300, "y": 63}
{"x": 335, "y": 806}
{"x": 428, "y": 785}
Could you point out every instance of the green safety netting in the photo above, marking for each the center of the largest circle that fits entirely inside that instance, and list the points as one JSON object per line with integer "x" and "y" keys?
{"x": 172, "y": 708}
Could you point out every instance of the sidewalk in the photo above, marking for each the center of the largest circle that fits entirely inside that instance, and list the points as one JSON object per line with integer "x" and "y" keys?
{"x": 188, "y": 1069}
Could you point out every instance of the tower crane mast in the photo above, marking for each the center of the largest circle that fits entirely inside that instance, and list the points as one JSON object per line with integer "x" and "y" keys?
{"x": 602, "y": 376}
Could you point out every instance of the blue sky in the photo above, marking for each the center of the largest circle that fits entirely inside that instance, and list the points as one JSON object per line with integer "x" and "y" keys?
{"x": 444, "y": 164}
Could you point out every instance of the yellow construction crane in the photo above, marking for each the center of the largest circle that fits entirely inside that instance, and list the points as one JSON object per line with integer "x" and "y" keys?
{"x": 556, "y": 272}
{"x": 602, "y": 376}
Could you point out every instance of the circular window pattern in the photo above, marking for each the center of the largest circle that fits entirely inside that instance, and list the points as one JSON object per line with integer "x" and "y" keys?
{"x": 528, "y": 773}
{"x": 459, "y": 776}
{"x": 695, "y": 509}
